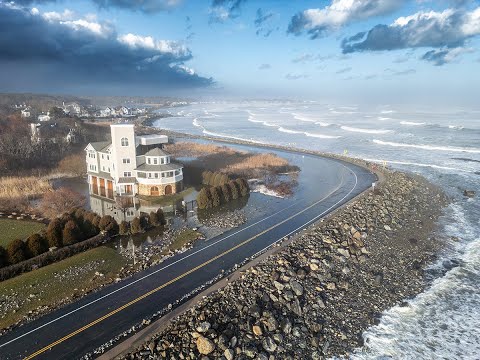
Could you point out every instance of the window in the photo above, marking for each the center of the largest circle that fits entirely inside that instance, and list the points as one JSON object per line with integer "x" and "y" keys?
{"x": 102, "y": 156}
{"x": 103, "y": 168}
{"x": 162, "y": 160}
{"x": 148, "y": 160}
{"x": 93, "y": 167}
{"x": 126, "y": 161}
{"x": 156, "y": 175}
{"x": 108, "y": 157}
{"x": 127, "y": 173}
{"x": 149, "y": 175}
{"x": 124, "y": 141}
{"x": 155, "y": 161}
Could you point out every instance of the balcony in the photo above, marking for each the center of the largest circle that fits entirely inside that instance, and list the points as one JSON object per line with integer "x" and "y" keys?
{"x": 160, "y": 180}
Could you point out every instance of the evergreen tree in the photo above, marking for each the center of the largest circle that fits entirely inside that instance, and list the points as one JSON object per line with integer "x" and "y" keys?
{"x": 215, "y": 195}
{"x": 242, "y": 187}
{"x": 161, "y": 217}
{"x": 136, "y": 226}
{"x": 233, "y": 189}
{"x": 204, "y": 200}
{"x": 54, "y": 233}
{"x": 36, "y": 245}
{"x": 154, "y": 218}
{"x": 226, "y": 193}
{"x": 70, "y": 233}
{"x": 3, "y": 257}
{"x": 16, "y": 251}
{"x": 109, "y": 225}
{"x": 123, "y": 228}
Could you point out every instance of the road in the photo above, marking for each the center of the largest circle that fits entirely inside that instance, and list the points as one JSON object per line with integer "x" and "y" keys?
{"x": 79, "y": 328}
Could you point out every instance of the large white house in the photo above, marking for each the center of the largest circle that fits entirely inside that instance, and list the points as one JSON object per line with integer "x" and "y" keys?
{"x": 132, "y": 164}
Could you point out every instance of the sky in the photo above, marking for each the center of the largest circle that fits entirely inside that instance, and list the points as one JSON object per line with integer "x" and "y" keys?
{"x": 377, "y": 51}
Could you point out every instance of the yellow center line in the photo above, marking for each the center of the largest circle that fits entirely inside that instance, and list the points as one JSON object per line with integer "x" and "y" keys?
{"x": 123, "y": 307}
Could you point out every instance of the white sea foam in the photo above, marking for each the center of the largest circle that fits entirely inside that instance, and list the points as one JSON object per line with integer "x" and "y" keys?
{"x": 387, "y": 111}
{"x": 211, "y": 133}
{"x": 324, "y": 124}
{"x": 381, "y": 118}
{"x": 321, "y": 136}
{"x": 381, "y": 161}
{"x": 302, "y": 117}
{"x": 456, "y": 127}
{"x": 196, "y": 123}
{"x": 366, "y": 131}
{"x": 253, "y": 120}
{"x": 412, "y": 123}
{"x": 282, "y": 129}
{"x": 428, "y": 147}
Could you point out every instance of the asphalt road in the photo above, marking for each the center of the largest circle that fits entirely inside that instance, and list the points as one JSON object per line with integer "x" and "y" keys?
{"x": 79, "y": 328}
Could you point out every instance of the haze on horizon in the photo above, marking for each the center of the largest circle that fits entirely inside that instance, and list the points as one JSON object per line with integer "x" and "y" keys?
{"x": 347, "y": 51}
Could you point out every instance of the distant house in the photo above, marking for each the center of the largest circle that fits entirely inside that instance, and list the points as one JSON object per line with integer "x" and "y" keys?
{"x": 26, "y": 113}
{"x": 72, "y": 108}
{"x": 44, "y": 117}
{"x": 132, "y": 164}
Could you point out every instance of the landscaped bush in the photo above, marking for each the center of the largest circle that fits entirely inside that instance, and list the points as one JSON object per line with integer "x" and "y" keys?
{"x": 226, "y": 195}
{"x": 109, "y": 225}
{"x": 233, "y": 189}
{"x": 54, "y": 233}
{"x": 161, "y": 217}
{"x": 215, "y": 195}
{"x": 36, "y": 245}
{"x": 214, "y": 179}
{"x": 3, "y": 256}
{"x": 136, "y": 226}
{"x": 123, "y": 228}
{"x": 70, "y": 233}
{"x": 16, "y": 251}
{"x": 154, "y": 218}
{"x": 243, "y": 187}
{"x": 204, "y": 199}
{"x": 206, "y": 177}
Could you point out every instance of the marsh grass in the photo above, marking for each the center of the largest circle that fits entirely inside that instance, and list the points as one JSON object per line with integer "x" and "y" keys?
{"x": 20, "y": 187}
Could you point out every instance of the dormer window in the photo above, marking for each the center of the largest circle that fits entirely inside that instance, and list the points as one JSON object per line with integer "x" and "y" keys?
{"x": 155, "y": 161}
{"x": 124, "y": 141}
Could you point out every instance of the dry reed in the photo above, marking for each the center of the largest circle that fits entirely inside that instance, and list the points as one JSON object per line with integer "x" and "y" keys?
{"x": 258, "y": 161}
{"x": 23, "y": 186}
{"x": 194, "y": 149}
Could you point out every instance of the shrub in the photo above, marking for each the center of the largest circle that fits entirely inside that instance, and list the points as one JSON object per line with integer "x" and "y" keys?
{"x": 233, "y": 189}
{"x": 161, "y": 217}
{"x": 3, "y": 257}
{"x": 242, "y": 187}
{"x": 153, "y": 217}
{"x": 204, "y": 200}
{"x": 16, "y": 251}
{"x": 54, "y": 233}
{"x": 225, "y": 193}
{"x": 70, "y": 233}
{"x": 108, "y": 224}
{"x": 136, "y": 226}
{"x": 36, "y": 245}
{"x": 123, "y": 228}
{"x": 217, "y": 179}
{"x": 58, "y": 201}
{"x": 207, "y": 177}
{"x": 145, "y": 221}
{"x": 215, "y": 195}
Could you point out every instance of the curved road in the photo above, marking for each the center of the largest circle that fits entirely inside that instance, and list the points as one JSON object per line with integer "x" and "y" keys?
{"x": 79, "y": 328}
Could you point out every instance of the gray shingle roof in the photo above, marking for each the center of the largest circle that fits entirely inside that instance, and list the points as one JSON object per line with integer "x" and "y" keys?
{"x": 100, "y": 145}
{"x": 127, "y": 180}
{"x": 156, "y": 152}
{"x": 160, "y": 167}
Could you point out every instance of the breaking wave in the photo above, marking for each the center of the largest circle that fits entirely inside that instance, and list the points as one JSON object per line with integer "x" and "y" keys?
{"x": 211, "y": 133}
{"x": 412, "y": 123}
{"x": 428, "y": 147}
{"x": 321, "y": 136}
{"x": 196, "y": 123}
{"x": 380, "y": 161}
{"x": 381, "y": 118}
{"x": 282, "y": 129}
{"x": 366, "y": 131}
{"x": 324, "y": 124}
{"x": 302, "y": 118}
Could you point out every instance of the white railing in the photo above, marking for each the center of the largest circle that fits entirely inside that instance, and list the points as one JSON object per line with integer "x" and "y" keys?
{"x": 160, "y": 180}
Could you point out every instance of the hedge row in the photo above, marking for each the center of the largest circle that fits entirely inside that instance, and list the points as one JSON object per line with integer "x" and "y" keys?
{"x": 72, "y": 227}
{"x": 214, "y": 178}
{"x": 139, "y": 224}
{"x": 215, "y": 196}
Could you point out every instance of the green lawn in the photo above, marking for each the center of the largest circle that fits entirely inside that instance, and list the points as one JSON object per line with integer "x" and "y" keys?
{"x": 52, "y": 283}
{"x": 17, "y": 229}
{"x": 166, "y": 200}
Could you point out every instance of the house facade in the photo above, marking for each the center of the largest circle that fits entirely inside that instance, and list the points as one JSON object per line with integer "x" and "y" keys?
{"x": 132, "y": 165}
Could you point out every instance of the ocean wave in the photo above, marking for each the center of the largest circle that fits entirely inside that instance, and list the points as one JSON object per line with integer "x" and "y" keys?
{"x": 366, "y": 131}
{"x": 412, "y": 123}
{"x": 211, "y": 133}
{"x": 324, "y": 124}
{"x": 196, "y": 123}
{"x": 381, "y": 118}
{"x": 428, "y": 147}
{"x": 397, "y": 162}
{"x": 264, "y": 123}
{"x": 251, "y": 119}
{"x": 282, "y": 129}
{"x": 321, "y": 136}
{"x": 387, "y": 111}
{"x": 302, "y": 118}
{"x": 456, "y": 127}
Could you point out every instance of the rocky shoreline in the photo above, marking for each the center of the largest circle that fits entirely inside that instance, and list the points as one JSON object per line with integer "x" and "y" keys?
{"x": 314, "y": 297}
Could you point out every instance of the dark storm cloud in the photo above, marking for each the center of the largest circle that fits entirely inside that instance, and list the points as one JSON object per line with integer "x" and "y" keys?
{"x": 446, "y": 30}
{"x": 81, "y": 52}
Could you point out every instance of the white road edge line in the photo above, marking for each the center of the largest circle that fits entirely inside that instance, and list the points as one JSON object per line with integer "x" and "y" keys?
{"x": 185, "y": 257}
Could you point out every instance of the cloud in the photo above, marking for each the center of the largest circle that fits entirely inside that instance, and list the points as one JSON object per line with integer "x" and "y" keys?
{"x": 59, "y": 49}
{"x": 444, "y": 56}
{"x": 318, "y": 22}
{"x": 265, "y": 67}
{"x": 290, "y": 76}
{"x": 223, "y": 10}
{"x": 260, "y": 22}
{"x": 446, "y": 30}
{"x": 344, "y": 70}
{"x": 400, "y": 72}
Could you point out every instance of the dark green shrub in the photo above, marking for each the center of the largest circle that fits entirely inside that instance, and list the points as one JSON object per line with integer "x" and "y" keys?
{"x": 108, "y": 224}
{"x": 204, "y": 200}
{"x": 233, "y": 189}
{"x": 207, "y": 177}
{"x": 54, "y": 233}
{"x": 70, "y": 233}
{"x": 226, "y": 196}
{"x": 153, "y": 217}
{"x": 136, "y": 226}
{"x": 123, "y": 228}
{"x": 242, "y": 187}
{"x": 3, "y": 257}
{"x": 36, "y": 245}
{"x": 161, "y": 217}
{"x": 16, "y": 251}
{"x": 217, "y": 179}
{"x": 215, "y": 195}
{"x": 145, "y": 221}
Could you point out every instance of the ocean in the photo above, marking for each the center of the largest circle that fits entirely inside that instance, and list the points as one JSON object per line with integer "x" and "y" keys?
{"x": 443, "y": 322}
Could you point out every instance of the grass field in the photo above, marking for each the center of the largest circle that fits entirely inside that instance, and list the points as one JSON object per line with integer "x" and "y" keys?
{"x": 17, "y": 229}
{"x": 47, "y": 286}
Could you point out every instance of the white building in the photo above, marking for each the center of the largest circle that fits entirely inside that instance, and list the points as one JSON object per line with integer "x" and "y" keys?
{"x": 26, "y": 113}
{"x": 44, "y": 117}
{"x": 131, "y": 165}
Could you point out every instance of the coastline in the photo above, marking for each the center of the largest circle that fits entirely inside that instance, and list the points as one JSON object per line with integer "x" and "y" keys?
{"x": 314, "y": 297}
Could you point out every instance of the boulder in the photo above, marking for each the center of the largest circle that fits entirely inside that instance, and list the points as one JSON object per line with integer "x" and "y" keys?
{"x": 205, "y": 346}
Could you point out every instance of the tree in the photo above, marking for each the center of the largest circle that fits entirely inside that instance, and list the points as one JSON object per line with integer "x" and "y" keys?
{"x": 123, "y": 203}
{"x": 145, "y": 221}
{"x": 54, "y": 233}
{"x": 242, "y": 187}
{"x": 154, "y": 218}
{"x": 16, "y": 251}
{"x": 109, "y": 225}
{"x": 123, "y": 228}
{"x": 3, "y": 257}
{"x": 225, "y": 193}
{"x": 207, "y": 177}
{"x": 88, "y": 226}
{"x": 161, "y": 217}
{"x": 233, "y": 189}
{"x": 136, "y": 226}
{"x": 56, "y": 113}
{"x": 215, "y": 194}
{"x": 59, "y": 201}
{"x": 217, "y": 180}
{"x": 224, "y": 179}
{"x": 204, "y": 200}
{"x": 70, "y": 233}
{"x": 36, "y": 245}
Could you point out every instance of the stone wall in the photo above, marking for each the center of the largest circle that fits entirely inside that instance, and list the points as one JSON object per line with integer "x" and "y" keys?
{"x": 146, "y": 189}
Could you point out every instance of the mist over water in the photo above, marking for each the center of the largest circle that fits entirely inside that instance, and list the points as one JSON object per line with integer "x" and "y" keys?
{"x": 444, "y": 321}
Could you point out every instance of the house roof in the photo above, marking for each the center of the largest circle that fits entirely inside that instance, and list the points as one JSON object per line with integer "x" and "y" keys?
{"x": 159, "y": 167}
{"x": 156, "y": 152}
{"x": 127, "y": 180}
{"x": 101, "y": 145}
